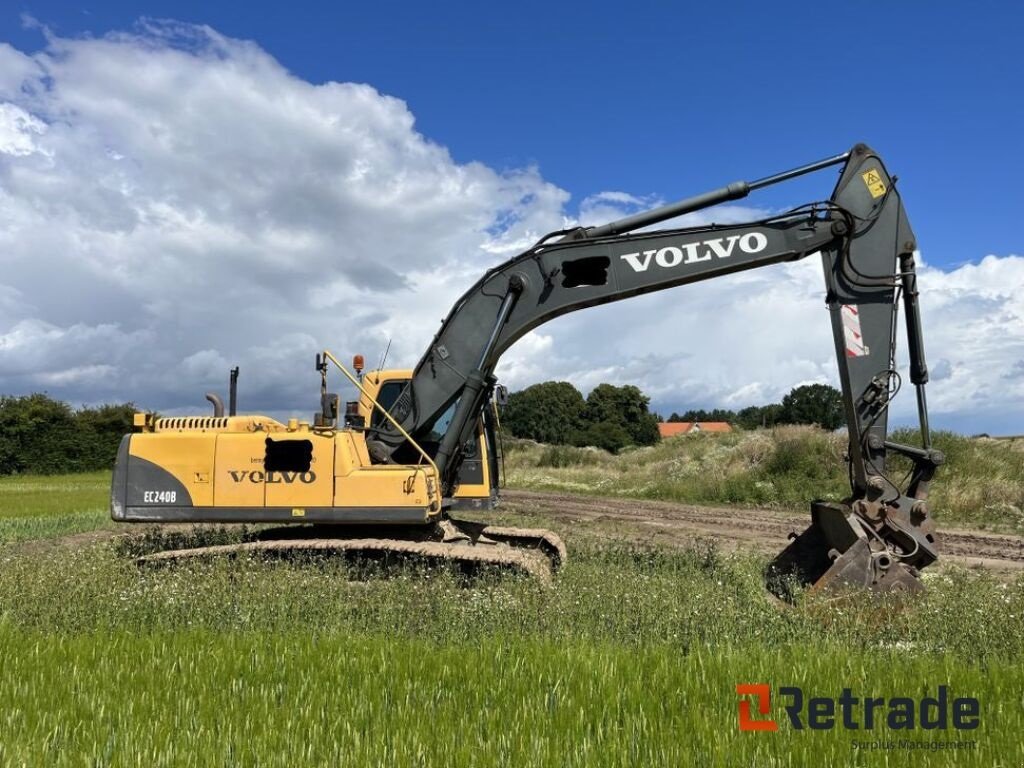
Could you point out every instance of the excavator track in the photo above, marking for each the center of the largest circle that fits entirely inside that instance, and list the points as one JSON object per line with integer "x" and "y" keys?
{"x": 538, "y": 540}
{"x": 536, "y": 553}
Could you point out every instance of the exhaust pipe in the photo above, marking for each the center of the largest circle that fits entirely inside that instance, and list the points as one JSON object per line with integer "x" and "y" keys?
{"x": 218, "y": 404}
{"x": 233, "y": 393}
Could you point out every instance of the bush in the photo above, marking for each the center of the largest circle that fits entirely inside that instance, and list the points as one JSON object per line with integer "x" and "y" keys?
{"x": 549, "y": 412}
{"x": 567, "y": 456}
{"x": 40, "y": 435}
{"x": 814, "y": 404}
{"x": 611, "y": 437}
{"x": 804, "y": 454}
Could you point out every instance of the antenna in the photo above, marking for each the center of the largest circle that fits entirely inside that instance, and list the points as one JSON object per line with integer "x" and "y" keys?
{"x": 384, "y": 357}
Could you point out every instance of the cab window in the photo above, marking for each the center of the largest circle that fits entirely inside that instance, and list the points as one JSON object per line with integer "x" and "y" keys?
{"x": 386, "y": 396}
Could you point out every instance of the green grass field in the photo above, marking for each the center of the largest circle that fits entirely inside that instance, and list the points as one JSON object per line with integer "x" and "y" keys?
{"x": 631, "y": 658}
{"x": 39, "y": 507}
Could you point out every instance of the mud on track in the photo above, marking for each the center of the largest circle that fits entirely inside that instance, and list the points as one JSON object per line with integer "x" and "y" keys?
{"x": 672, "y": 524}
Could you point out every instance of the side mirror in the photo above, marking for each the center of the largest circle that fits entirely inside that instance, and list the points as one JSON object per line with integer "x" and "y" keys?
{"x": 501, "y": 395}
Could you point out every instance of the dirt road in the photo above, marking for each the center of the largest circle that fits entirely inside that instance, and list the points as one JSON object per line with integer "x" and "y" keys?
{"x": 677, "y": 524}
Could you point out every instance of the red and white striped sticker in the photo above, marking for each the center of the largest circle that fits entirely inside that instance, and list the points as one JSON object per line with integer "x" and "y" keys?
{"x": 855, "y": 346}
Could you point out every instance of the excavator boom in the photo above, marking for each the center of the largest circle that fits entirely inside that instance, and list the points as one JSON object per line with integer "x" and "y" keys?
{"x": 866, "y": 245}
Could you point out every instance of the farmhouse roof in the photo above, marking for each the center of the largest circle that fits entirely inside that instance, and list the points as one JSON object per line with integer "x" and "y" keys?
{"x": 673, "y": 428}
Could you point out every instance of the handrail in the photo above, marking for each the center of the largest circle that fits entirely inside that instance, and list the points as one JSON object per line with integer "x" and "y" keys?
{"x": 388, "y": 416}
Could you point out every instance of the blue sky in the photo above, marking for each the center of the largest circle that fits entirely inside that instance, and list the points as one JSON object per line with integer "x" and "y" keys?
{"x": 668, "y": 98}
{"x": 188, "y": 186}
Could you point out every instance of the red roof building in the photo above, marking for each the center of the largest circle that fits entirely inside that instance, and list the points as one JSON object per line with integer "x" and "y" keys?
{"x": 673, "y": 428}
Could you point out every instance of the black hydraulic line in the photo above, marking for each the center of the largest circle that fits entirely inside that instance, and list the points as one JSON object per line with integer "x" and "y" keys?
{"x": 915, "y": 343}
{"x": 767, "y": 181}
{"x": 907, "y": 450}
{"x": 476, "y": 382}
{"x": 734, "y": 191}
{"x": 515, "y": 287}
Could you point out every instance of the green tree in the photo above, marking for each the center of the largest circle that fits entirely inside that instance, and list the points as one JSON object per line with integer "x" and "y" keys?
{"x": 608, "y": 435}
{"x": 626, "y": 406}
{"x": 756, "y": 416}
{"x": 550, "y": 412}
{"x": 103, "y": 428}
{"x": 814, "y": 404}
{"x": 38, "y": 434}
{"x": 716, "y": 414}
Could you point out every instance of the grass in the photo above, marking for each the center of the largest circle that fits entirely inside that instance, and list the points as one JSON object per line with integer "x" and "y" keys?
{"x": 285, "y": 700}
{"x": 38, "y": 507}
{"x": 630, "y": 658}
{"x": 981, "y": 485}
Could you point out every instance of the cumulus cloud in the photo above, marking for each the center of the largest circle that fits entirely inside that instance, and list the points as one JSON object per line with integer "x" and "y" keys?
{"x": 174, "y": 202}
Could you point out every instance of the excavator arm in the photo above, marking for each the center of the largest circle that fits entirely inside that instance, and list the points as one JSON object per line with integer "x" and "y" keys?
{"x": 882, "y": 533}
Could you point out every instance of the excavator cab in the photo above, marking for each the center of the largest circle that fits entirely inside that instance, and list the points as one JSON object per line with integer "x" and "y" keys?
{"x": 479, "y": 475}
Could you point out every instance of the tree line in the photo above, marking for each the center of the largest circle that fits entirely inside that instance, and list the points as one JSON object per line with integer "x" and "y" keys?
{"x": 612, "y": 417}
{"x": 556, "y": 412}
{"x": 808, "y": 404}
{"x": 40, "y": 435}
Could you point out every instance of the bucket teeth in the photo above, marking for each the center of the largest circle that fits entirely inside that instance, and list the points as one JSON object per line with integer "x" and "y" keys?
{"x": 835, "y": 553}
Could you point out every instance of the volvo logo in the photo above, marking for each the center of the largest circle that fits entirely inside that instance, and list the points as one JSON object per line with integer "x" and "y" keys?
{"x": 271, "y": 478}
{"x": 691, "y": 253}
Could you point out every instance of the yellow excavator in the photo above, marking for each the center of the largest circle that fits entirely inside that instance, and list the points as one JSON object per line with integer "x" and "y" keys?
{"x": 264, "y": 471}
{"x": 394, "y": 471}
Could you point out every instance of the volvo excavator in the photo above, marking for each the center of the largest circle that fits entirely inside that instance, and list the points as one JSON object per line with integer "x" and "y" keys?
{"x": 395, "y": 470}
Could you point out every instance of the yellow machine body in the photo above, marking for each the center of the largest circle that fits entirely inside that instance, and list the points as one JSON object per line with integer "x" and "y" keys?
{"x": 254, "y": 468}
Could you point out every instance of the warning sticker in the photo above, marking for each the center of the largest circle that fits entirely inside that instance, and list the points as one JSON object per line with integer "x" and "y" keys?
{"x": 873, "y": 180}
{"x": 855, "y": 346}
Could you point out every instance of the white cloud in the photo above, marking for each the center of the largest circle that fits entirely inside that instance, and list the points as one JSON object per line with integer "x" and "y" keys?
{"x": 974, "y": 321}
{"x": 174, "y": 202}
{"x": 18, "y": 131}
{"x": 608, "y": 206}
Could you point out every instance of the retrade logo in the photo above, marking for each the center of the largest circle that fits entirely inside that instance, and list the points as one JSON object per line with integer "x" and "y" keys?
{"x": 762, "y": 694}
{"x": 849, "y": 712}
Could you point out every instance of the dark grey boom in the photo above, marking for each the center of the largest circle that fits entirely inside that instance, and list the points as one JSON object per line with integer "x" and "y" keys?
{"x": 881, "y": 534}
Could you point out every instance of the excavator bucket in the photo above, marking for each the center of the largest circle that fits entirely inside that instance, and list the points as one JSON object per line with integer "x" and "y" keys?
{"x": 835, "y": 553}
